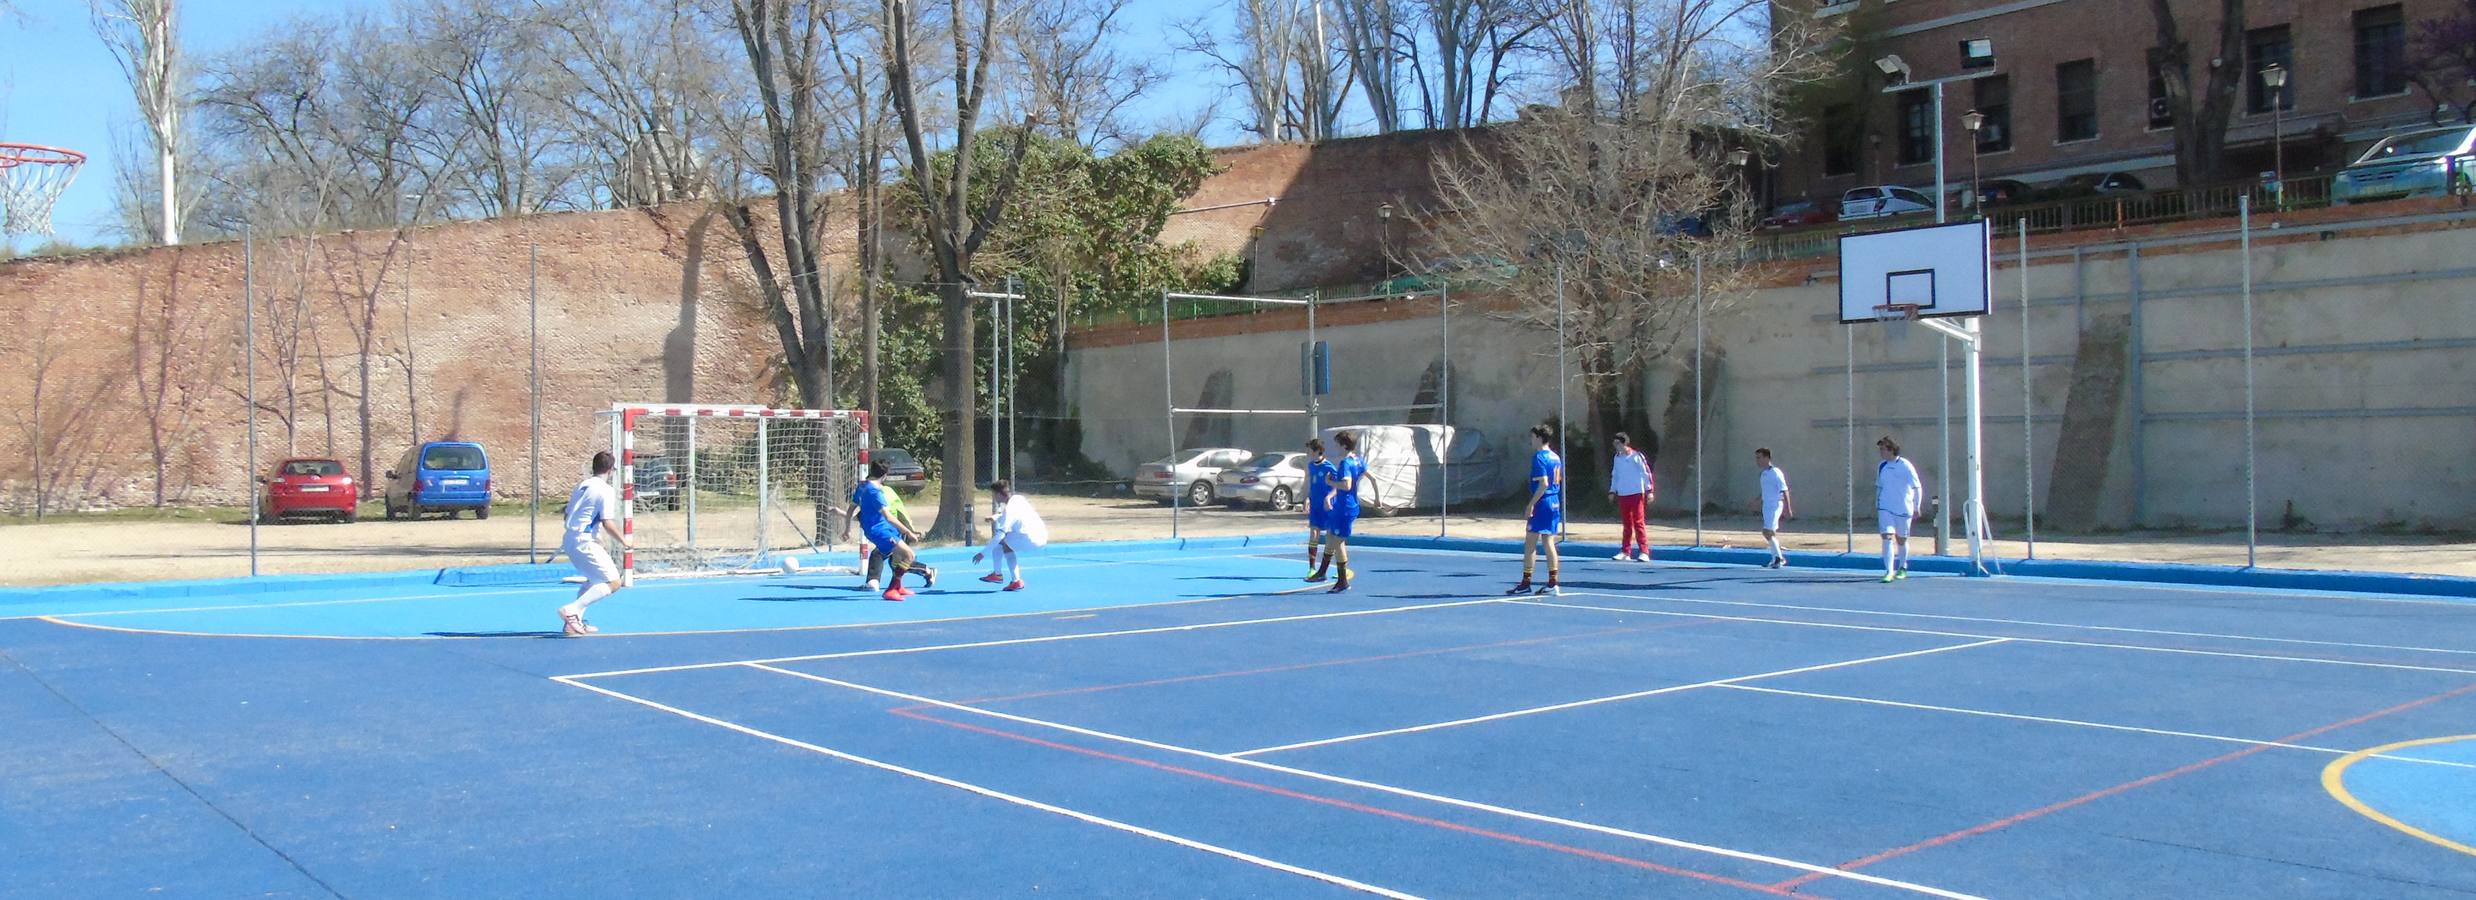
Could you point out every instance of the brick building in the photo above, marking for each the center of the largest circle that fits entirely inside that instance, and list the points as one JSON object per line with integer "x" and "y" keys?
{"x": 2072, "y": 91}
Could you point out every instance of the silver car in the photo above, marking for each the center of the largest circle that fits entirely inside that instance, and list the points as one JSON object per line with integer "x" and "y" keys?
{"x": 1190, "y": 470}
{"x": 1272, "y": 480}
{"x": 2428, "y": 163}
{"x": 1882, "y": 202}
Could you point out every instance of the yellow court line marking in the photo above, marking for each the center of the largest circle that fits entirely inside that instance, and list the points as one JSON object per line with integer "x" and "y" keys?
{"x": 2334, "y": 780}
{"x": 56, "y": 620}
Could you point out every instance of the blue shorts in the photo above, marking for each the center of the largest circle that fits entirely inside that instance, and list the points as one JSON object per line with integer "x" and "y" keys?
{"x": 1547, "y": 518}
{"x": 1337, "y": 523}
{"x": 884, "y": 537}
{"x": 1316, "y": 515}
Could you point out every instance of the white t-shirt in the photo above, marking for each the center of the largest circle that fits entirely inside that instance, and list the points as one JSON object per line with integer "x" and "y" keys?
{"x": 593, "y": 502}
{"x": 1897, "y": 489}
{"x": 1774, "y": 485}
{"x": 1629, "y": 473}
{"x": 1018, "y": 517}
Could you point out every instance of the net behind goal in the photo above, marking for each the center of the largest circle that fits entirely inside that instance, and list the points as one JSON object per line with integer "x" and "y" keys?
{"x": 711, "y": 490}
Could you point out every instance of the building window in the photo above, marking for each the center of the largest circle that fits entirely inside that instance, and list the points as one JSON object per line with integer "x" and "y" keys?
{"x": 1844, "y": 134}
{"x": 2381, "y": 52}
{"x": 1994, "y": 101}
{"x": 2263, "y": 48}
{"x": 2161, "y": 112}
{"x": 1916, "y": 128}
{"x": 2076, "y": 100}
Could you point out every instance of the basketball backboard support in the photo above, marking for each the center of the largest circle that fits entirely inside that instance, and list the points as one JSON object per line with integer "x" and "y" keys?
{"x": 1944, "y": 270}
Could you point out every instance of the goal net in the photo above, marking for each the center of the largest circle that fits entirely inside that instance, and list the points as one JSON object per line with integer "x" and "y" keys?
{"x": 712, "y": 490}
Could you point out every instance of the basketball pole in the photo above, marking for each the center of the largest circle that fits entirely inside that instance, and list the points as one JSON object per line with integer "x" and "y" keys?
{"x": 1970, "y": 333}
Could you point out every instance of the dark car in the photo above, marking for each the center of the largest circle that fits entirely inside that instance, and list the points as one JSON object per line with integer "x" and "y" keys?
{"x": 1799, "y": 213}
{"x": 904, "y": 473}
{"x": 2091, "y": 184}
{"x": 1999, "y": 191}
{"x": 657, "y": 482}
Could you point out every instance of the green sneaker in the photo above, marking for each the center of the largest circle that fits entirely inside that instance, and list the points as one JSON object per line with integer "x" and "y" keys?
{"x": 1903, "y": 575}
{"x": 1887, "y": 577}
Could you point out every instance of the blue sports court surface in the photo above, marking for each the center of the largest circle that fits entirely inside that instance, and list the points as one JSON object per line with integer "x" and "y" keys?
{"x": 1153, "y": 720}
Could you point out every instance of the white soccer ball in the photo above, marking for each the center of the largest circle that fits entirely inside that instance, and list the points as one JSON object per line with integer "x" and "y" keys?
{"x": 791, "y": 565}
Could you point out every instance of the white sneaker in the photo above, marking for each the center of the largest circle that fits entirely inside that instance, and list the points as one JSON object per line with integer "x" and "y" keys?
{"x": 873, "y": 586}
{"x": 1622, "y": 556}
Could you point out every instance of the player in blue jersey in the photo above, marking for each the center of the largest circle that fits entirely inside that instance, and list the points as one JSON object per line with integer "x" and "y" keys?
{"x": 1547, "y": 511}
{"x": 1341, "y": 510}
{"x": 1320, "y": 472}
{"x": 887, "y": 534}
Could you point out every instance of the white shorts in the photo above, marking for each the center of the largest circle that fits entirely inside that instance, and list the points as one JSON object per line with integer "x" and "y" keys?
{"x": 1888, "y": 522}
{"x": 593, "y": 562}
{"x": 1771, "y": 515}
{"x": 1016, "y": 541}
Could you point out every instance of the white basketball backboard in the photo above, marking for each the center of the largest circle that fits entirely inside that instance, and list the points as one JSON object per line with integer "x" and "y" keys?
{"x": 1943, "y": 269}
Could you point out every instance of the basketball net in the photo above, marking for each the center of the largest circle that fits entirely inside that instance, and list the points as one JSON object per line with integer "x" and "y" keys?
{"x": 31, "y": 180}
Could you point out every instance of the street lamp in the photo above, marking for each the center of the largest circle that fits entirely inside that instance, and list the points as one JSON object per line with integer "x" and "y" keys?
{"x": 2274, "y": 77}
{"x": 1384, "y": 219}
{"x": 1974, "y": 121}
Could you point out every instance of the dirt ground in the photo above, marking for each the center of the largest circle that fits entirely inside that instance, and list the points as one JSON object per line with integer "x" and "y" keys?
{"x": 75, "y": 550}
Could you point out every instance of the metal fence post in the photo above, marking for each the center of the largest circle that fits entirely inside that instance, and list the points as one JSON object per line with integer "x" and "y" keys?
{"x": 1698, "y": 504}
{"x": 2028, "y": 428}
{"x": 249, "y": 389}
{"x": 1444, "y": 402}
{"x": 1564, "y": 417}
{"x": 1169, "y": 414}
{"x": 1848, "y": 455}
{"x": 2252, "y": 511}
{"x": 533, "y": 381}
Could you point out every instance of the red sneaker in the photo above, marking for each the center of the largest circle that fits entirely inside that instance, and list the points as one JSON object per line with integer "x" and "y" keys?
{"x": 896, "y": 594}
{"x": 993, "y": 578}
{"x": 1014, "y": 585}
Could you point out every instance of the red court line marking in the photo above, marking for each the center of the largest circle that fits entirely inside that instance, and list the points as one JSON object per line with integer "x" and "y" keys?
{"x": 1294, "y": 667}
{"x": 2134, "y": 784}
{"x": 1361, "y": 807}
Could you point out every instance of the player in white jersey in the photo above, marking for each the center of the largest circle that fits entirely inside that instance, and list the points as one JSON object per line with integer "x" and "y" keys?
{"x": 1776, "y": 506}
{"x": 592, "y": 509}
{"x": 1898, "y": 495}
{"x": 1015, "y": 529}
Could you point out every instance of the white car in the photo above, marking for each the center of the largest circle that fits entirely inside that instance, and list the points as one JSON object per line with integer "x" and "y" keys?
{"x": 1276, "y": 481}
{"x": 1882, "y": 201}
{"x": 1407, "y": 466}
{"x": 1190, "y": 470}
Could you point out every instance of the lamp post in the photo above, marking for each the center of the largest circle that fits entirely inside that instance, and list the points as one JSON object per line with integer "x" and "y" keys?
{"x": 1384, "y": 221}
{"x": 1974, "y": 121}
{"x": 2274, "y": 77}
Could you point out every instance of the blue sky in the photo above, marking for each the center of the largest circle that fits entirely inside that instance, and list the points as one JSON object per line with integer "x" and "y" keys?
{"x": 60, "y": 87}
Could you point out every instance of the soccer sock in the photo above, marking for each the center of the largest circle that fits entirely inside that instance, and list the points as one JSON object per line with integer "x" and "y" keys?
{"x": 1342, "y": 558}
{"x": 1887, "y": 558}
{"x": 1904, "y": 555}
{"x": 1014, "y": 565}
{"x": 1775, "y": 546}
{"x": 585, "y": 598}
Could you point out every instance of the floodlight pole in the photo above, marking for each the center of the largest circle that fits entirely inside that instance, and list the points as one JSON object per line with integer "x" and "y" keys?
{"x": 249, "y": 390}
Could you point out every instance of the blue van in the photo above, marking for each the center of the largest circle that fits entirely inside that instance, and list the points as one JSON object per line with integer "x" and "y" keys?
{"x": 440, "y": 476}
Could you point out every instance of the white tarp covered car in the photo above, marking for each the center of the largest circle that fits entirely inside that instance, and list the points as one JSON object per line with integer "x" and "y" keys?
{"x": 1407, "y": 465}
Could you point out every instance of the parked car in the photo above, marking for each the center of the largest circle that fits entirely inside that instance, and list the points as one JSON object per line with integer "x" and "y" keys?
{"x": 440, "y": 476}
{"x": 657, "y": 482}
{"x": 1407, "y": 466}
{"x": 1272, "y": 480}
{"x": 309, "y": 487}
{"x": 1190, "y": 471}
{"x": 1882, "y": 201}
{"x": 1465, "y": 270}
{"x": 1999, "y": 191}
{"x": 2429, "y": 163}
{"x": 1797, "y": 214}
{"x": 2091, "y": 184}
{"x": 904, "y": 473}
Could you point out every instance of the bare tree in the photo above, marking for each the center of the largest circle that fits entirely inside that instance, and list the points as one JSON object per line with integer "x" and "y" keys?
{"x": 1616, "y": 211}
{"x": 785, "y": 42}
{"x": 957, "y": 219}
{"x": 173, "y": 363}
{"x": 1260, "y": 54}
{"x": 649, "y": 96}
{"x": 1376, "y": 40}
{"x": 2441, "y": 61}
{"x": 2200, "y": 110}
{"x": 482, "y": 59}
{"x": 860, "y": 144}
{"x": 1079, "y": 83}
{"x": 142, "y": 37}
{"x": 64, "y": 424}
{"x": 1473, "y": 41}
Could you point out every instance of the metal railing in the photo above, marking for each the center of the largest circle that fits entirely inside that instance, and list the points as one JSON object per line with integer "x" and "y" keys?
{"x": 2102, "y": 212}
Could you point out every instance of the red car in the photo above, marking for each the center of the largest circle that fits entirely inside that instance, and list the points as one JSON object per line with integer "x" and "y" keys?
{"x": 310, "y": 487}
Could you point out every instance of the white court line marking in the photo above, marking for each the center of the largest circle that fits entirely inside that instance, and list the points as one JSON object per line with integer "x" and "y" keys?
{"x": 1994, "y": 621}
{"x": 1871, "y": 701}
{"x": 1161, "y": 629}
{"x": 1858, "y": 577}
{"x": 994, "y": 794}
{"x": 1636, "y": 695}
{"x": 1525, "y": 815}
{"x": 567, "y": 586}
{"x": 2056, "y": 642}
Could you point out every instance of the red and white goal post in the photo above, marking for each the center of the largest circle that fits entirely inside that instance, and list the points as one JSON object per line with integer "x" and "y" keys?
{"x": 720, "y": 490}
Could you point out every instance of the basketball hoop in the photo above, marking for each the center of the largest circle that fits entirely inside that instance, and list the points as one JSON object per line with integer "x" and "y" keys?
{"x": 32, "y": 178}
{"x": 1899, "y": 320}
